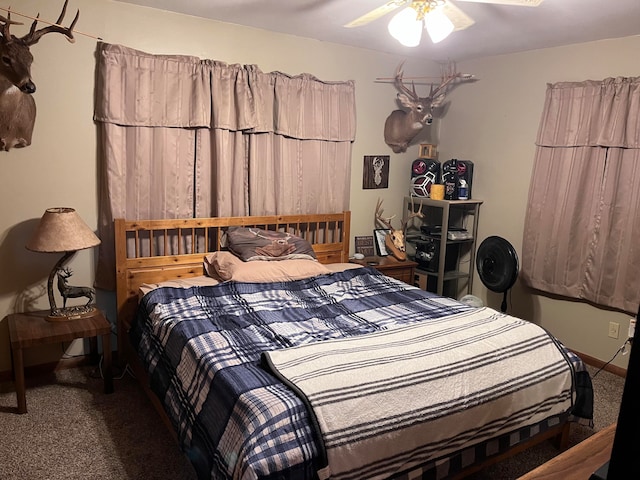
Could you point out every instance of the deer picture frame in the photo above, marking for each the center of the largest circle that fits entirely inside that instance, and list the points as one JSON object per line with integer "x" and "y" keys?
{"x": 375, "y": 173}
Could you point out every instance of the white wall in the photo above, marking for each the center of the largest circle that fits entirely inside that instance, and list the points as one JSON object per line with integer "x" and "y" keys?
{"x": 60, "y": 167}
{"x": 492, "y": 122}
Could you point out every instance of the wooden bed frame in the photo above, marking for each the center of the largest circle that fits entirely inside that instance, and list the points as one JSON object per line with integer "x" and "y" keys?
{"x": 152, "y": 251}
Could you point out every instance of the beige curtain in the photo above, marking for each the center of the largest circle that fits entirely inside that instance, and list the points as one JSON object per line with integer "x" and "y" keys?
{"x": 582, "y": 227}
{"x": 184, "y": 137}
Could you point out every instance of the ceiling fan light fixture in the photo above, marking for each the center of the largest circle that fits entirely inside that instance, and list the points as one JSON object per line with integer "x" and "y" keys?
{"x": 438, "y": 25}
{"x": 406, "y": 28}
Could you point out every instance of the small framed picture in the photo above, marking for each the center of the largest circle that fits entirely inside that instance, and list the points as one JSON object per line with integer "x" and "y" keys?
{"x": 428, "y": 150}
{"x": 380, "y": 234}
{"x": 376, "y": 171}
{"x": 364, "y": 245}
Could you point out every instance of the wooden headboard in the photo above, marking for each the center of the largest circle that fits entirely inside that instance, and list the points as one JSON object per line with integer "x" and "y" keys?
{"x": 152, "y": 251}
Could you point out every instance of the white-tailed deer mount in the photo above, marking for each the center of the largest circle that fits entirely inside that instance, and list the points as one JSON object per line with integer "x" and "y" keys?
{"x": 402, "y": 126}
{"x": 395, "y": 239}
{"x": 17, "y": 106}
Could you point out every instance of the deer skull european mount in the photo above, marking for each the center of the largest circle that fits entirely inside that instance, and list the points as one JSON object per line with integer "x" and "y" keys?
{"x": 395, "y": 239}
{"x": 401, "y": 126}
{"x": 17, "y": 106}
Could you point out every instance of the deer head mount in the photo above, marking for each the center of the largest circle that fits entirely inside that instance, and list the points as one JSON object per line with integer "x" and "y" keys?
{"x": 395, "y": 240}
{"x": 401, "y": 126}
{"x": 17, "y": 106}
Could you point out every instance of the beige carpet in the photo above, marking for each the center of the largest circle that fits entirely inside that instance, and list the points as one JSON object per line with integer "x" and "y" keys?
{"x": 74, "y": 431}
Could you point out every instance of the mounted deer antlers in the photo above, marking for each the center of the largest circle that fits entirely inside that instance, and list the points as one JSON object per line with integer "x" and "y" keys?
{"x": 395, "y": 240}
{"x": 17, "y": 106}
{"x": 401, "y": 126}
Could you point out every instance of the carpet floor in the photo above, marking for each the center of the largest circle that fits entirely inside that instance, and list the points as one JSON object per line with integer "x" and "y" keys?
{"x": 74, "y": 431}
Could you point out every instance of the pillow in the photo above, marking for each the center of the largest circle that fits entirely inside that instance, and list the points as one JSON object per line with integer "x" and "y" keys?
{"x": 227, "y": 266}
{"x": 257, "y": 244}
{"x": 199, "y": 281}
{"x": 218, "y": 264}
{"x": 341, "y": 267}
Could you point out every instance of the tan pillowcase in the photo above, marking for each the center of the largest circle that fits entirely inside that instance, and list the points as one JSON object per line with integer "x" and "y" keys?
{"x": 341, "y": 267}
{"x": 226, "y": 266}
{"x": 199, "y": 281}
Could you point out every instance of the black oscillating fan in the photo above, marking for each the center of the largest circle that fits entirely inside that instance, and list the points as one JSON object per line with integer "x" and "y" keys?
{"x": 497, "y": 263}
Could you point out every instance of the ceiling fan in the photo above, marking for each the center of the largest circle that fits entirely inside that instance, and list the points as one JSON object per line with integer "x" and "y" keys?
{"x": 438, "y": 17}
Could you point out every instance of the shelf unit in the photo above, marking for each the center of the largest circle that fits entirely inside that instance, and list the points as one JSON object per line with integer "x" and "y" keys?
{"x": 448, "y": 214}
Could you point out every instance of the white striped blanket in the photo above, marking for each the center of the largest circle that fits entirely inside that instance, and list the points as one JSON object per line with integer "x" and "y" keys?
{"x": 387, "y": 401}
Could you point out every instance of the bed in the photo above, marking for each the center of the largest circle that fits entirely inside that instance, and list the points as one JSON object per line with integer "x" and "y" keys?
{"x": 326, "y": 369}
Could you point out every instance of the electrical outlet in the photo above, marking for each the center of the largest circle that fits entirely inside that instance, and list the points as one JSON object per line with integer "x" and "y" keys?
{"x": 614, "y": 329}
{"x": 632, "y": 327}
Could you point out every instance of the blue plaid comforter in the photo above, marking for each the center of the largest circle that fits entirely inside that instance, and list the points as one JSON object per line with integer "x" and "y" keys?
{"x": 202, "y": 349}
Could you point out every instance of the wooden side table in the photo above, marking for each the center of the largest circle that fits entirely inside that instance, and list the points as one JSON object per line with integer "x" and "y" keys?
{"x": 31, "y": 329}
{"x": 403, "y": 271}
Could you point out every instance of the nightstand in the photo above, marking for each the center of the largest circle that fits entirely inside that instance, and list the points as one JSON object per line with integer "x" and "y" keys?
{"x": 31, "y": 329}
{"x": 391, "y": 267}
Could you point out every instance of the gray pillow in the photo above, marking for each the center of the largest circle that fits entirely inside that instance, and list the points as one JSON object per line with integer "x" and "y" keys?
{"x": 257, "y": 244}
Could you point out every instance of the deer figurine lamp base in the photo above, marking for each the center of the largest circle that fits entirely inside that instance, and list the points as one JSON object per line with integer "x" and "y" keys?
{"x": 61, "y": 230}
{"x": 64, "y": 313}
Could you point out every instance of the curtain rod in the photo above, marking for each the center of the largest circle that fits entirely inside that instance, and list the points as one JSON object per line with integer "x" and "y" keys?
{"x": 392, "y": 80}
{"x": 9, "y": 10}
{"x": 382, "y": 79}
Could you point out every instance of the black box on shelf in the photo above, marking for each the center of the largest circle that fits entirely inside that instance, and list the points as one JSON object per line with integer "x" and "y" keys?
{"x": 428, "y": 255}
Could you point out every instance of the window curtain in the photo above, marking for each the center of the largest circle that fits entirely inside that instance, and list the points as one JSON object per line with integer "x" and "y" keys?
{"x": 182, "y": 137}
{"x": 582, "y": 226}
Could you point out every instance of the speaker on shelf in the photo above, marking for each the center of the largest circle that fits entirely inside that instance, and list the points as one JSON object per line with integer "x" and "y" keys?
{"x": 456, "y": 176}
{"x": 424, "y": 173}
{"x": 427, "y": 255}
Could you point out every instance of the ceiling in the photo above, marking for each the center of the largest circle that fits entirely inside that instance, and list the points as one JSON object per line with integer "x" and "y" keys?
{"x": 498, "y": 29}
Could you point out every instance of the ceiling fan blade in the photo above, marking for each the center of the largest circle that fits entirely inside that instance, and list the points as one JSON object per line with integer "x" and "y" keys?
{"x": 377, "y": 13}
{"x": 459, "y": 19}
{"x": 521, "y": 3}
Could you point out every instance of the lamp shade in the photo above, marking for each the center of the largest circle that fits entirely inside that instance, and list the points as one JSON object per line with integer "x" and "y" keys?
{"x": 62, "y": 230}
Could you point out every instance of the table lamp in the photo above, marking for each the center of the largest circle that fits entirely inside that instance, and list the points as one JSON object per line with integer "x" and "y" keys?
{"x": 61, "y": 230}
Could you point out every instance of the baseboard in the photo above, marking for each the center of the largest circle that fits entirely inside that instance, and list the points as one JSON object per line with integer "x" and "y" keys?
{"x": 594, "y": 362}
